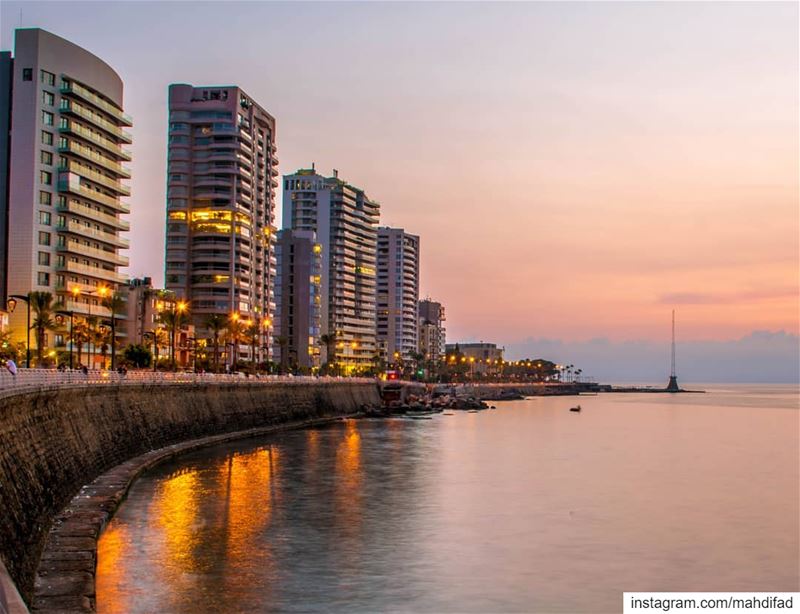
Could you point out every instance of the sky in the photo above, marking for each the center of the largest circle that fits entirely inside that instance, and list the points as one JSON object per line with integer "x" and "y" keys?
{"x": 575, "y": 170}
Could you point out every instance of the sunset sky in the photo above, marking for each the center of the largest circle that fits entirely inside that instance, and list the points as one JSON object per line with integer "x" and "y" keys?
{"x": 575, "y": 170}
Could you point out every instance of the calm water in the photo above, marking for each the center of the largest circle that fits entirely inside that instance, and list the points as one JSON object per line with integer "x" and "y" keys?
{"x": 527, "y": 508}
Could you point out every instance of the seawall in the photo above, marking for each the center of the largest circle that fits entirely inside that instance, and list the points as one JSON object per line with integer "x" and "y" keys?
{"x": 53, "y": 442}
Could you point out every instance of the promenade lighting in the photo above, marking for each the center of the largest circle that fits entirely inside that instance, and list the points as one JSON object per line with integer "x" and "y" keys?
{"x": 11, "y": 303}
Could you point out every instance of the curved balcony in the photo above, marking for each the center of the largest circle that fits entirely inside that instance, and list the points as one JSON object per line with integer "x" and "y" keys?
{"x": 92, "y": 175}
{"x": 110, "y": 146}
{"x": 92, "y": 271}
{"x": 75, "y": 89}
{"x": 73, "y": 147}
{"x": 68, "y": 107}
{"x": 94, "y": 215}
{"x": 74, "y": 247}
{"x": 80, "y": 230}
{"x": 70, "y": 185}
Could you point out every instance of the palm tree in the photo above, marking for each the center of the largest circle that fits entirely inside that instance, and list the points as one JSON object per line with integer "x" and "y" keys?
{"x": 115, "y": 303}
{"x": 251, "y": 333}
{"x": 43, "y": 307}
{"x": 173, "y": 320}
{"x": 283, "y": 343}
{"x": 215, "y": 323}
{"x": 235, "y": 335}
{"x": 329, "y": 341}
{"x": 80, "y": 336}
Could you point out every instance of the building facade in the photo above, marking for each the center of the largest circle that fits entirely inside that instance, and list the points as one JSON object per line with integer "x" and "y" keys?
{"x": 66, "y": 161}
{"x": 298, "y": 300}
{"x": 432, "y": 332}
{"x": 221, "y": 187}
{"x": 398, "y": 293}
{"x": 485, "y": 358}
{"x": 344, "y": 220}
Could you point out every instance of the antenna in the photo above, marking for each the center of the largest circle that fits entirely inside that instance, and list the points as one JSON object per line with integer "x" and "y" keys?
{"x": 672, "y": 372}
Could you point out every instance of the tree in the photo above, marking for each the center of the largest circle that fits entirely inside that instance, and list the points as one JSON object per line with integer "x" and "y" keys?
{"x": 138, "y": 355}
{"x": 10, "y": 349}
{"x": 80, "y": 336}
{"x": 329, "y": 342}
{"x": 115, "y": 303}
{"x": 283, "y": 343}
{"x": 215, "y": 323}
{"x": 251, "y": 332}
{"x": 173, "y": 319}
{"x": 43, "y": 307}
{"x": 235, "y": 335}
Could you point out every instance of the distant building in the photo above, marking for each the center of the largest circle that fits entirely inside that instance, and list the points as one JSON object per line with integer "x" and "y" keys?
{"x": 221, "y": 190}
{"x": 297, "y": 300}
{"x": 62, "y": 155}
{"x": 431, "y": 330}
{"x": 141, "y": 300}
{"x": 398, "y": 292}
{"x": 344, "y": 220}
{"x": 483, "y": 357}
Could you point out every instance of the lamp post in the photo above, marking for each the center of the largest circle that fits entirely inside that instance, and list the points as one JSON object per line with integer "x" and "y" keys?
{"x": 71, "y": 315}
{"x": 177, "y": 308}
{"x": 12, "y": 304}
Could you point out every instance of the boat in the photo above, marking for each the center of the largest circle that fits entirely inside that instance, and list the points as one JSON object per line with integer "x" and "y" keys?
{"x": 576, "y": 408}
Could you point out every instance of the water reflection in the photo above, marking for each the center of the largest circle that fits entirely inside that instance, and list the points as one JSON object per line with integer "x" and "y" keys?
{"x": 527, "y": 508}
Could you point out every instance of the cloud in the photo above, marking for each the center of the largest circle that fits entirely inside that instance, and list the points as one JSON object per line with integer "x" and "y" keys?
{"x": 761, "y": 356}
{"x": 713, "y": 298}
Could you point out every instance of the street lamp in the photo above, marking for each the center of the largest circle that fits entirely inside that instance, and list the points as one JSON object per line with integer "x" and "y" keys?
{"x": 11, "y": 303}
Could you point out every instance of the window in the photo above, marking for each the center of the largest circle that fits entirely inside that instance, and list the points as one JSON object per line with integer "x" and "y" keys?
{"x": 61, "y": 221}
{"x": 60, "y": 261}
{"x": 62, "y": 201}
{"x": 64, "y": 123}
{"x": 27, "y": 74}
{"x": 45, "y": 198}
{"x": 48, "y": 99}
{"x": 44, "y": 258}
{"x": 44, "y": 218}
{"x": 46, "y": 178}
{"x": 44, "y": 238}
{"x": 47, "y": 118}
{"x": 44, "y": 279}
{"x": 47, "y": 137}
{"x": 46, "y": 157}
{"x": 48, "y": 78}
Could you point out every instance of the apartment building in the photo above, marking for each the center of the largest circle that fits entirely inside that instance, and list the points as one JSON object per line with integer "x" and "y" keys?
{"x": 344, "y": 220}
{"x": 63, "y": 209}
{"x": 221, "y": 187}
{"x": 298, "y": 300}
{"x": 432, "y": 332}
{"x": 398, "y": 293}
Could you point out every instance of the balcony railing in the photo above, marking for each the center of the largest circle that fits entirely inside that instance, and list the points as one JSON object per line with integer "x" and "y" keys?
{"x": 70, "y": 107}
{"x": 92, "y": 175}
{"x": 73, "y": 88}
{"x": 98, "y": 197}
{"x": 98, "y": 140}
{"x": 98, "y": 254}
{"x": 93, "y": 214}
{"x": 92, "y": 156}
{"x": 92, "y": 271}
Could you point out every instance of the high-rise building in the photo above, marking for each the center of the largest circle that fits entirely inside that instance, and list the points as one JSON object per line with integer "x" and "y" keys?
{"x": 297, "y": 300}
{"x": 431, "y": 330}
{"x": 220, "y": 207}
{"x": 66, "y": 169}
{"x": 345, "y": 222}
{"x": 398, "y": 293}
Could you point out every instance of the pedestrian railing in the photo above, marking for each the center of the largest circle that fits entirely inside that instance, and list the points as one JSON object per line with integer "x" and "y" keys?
{"x": 32, "y": 380}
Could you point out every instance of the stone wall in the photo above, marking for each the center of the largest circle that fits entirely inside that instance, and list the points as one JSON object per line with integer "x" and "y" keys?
{"x": 54, "y": 442}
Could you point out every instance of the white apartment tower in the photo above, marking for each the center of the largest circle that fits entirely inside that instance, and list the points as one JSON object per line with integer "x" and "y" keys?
{"x": 398, "y": 293}
{"x": 66, "y": 160}
{"x": 344, "y": 220}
